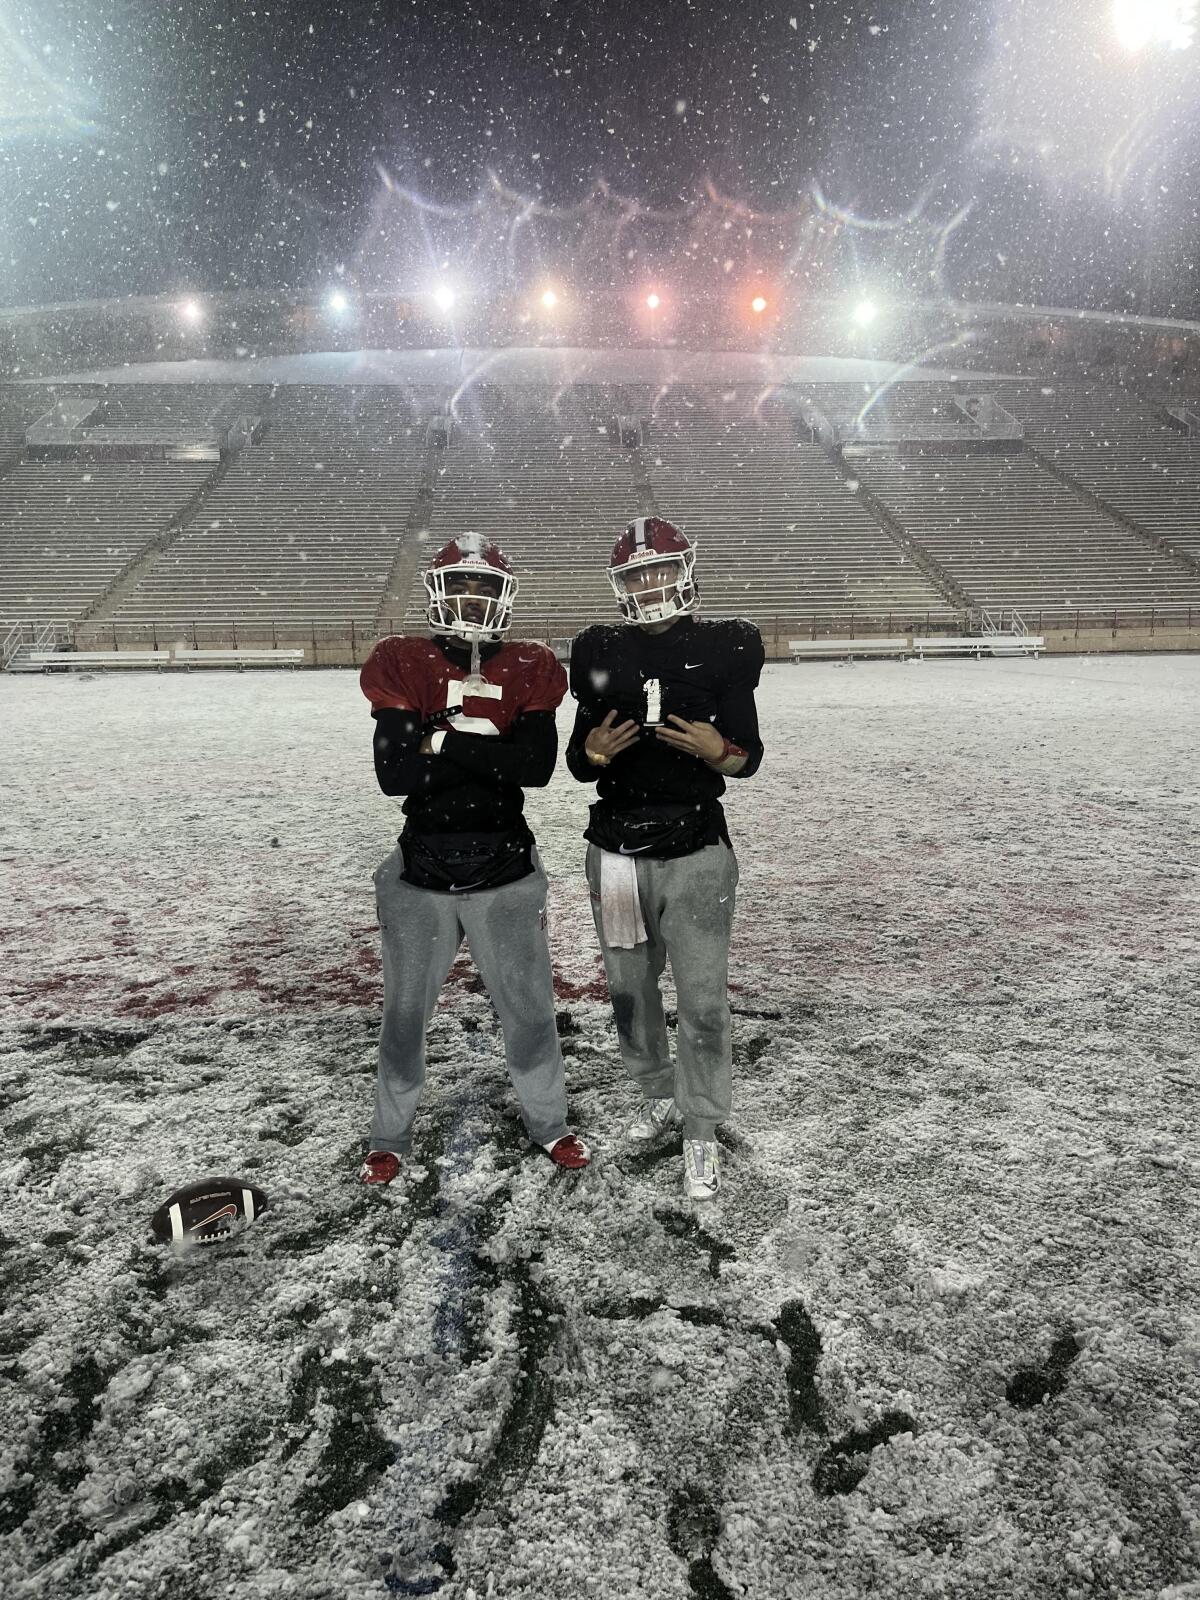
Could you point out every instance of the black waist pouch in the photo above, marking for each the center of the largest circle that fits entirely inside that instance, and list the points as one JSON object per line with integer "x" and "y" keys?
{"x": 663, "y": 831}
{"x": 456, "y": 863}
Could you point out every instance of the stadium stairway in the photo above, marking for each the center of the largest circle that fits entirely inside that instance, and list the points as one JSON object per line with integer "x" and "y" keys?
{"x": 304, "y": 527}
{"x": 782, "y": 528}
{"x": 127, "y": 579}
{"x": 1009, "y": 533}
{"x": 1127, "y": 455}
{"x": 542, "y": 475}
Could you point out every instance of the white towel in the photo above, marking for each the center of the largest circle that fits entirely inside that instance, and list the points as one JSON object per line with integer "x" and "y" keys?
{"x": 620, "y": 904}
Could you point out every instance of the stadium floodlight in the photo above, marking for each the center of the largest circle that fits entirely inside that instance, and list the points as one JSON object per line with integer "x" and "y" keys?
{"x": 1168, "y": 24}
{"x": 758, "y": 305}
{"x": 653, "y": 301}
{"x": 191, "y": 311}
{"x": 338, "y": 302}
{"x": 865, "y": 313}
{"x": 549, "y": 299}
{"x": 444, "y": 297}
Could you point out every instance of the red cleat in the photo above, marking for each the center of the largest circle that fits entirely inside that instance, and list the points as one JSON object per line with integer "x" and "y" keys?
{"x": 380, "y": 1166}
{"x": 569, "y": 1151}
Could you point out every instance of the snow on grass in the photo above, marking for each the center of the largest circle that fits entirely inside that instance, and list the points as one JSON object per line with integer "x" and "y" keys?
{"x": 938, "y": 1338}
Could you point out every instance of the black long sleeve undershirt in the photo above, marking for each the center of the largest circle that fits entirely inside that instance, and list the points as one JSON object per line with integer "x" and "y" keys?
{"x": 399, "y": 766}
{"x": 475, "y": 782}
{"x": 526, "y": 757}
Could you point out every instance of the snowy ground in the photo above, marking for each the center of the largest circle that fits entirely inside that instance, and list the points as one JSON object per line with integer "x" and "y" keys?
{"x": 940, "y": 1337}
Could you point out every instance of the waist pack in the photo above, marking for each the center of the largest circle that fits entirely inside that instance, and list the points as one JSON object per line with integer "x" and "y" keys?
{"x": 662, "y": 831}
{"x": 455, "y": 863}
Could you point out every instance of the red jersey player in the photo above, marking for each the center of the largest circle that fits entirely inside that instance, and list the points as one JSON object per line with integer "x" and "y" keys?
{"x": 463, "y": 723}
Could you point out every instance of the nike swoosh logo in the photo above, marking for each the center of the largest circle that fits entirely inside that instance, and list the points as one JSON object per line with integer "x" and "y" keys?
{"x": 225, "y": 1211}
{"x": 461, "y": 888}
{"x": 623, "y": 850}
{"x": 690, "y": 666}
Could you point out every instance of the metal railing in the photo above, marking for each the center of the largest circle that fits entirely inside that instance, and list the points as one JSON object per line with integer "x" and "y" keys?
{"x": 350, "y": 641}
{"x": 12, "y": 642}
{"x": 1002, "y": 621}
{"x": 28, "y": 636}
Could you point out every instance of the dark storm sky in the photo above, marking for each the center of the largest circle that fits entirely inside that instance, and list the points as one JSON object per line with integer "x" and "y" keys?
{"x": 146, "y": 147}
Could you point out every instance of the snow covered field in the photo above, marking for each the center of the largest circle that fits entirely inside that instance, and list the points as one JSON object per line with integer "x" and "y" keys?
{"x": 940, "y": 1336}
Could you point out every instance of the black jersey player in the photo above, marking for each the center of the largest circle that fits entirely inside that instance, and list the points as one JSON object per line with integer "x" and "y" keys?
{"x": 665, "y": 714}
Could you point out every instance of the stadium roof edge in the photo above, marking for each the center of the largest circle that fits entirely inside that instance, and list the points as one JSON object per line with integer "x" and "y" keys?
{"x": 977, "y": 310}
{"x": 516, "y": 366}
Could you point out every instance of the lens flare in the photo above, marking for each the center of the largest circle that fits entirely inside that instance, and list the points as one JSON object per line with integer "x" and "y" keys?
{"x": 1169, "y": 24}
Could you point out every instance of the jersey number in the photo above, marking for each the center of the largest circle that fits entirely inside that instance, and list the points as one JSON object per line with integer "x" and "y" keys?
{"x": 479, "y": 691}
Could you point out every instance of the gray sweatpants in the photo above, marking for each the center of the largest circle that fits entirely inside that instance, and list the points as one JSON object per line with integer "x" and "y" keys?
{"x": 505, "y": 930}
{"x": 687, "y": 907}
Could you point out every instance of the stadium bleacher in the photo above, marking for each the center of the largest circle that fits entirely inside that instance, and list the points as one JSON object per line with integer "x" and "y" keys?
{"x": 69, "y": 528}
{"x": 780, "y": 530}
{"x": 1121, "y": 449}
{"x": 543, "y": 476}
{"x": 304, "y": 526}
{"x": 345, "y": 491}
{"x": 18, "y": 408}
{"x": 1010, "y": 534}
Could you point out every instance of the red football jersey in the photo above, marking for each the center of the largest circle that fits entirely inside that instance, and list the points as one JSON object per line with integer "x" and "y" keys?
{"x": 415, "y": 675}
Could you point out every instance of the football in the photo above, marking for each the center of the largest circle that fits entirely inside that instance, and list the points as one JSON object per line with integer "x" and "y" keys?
{"x": 204, "y": 1212}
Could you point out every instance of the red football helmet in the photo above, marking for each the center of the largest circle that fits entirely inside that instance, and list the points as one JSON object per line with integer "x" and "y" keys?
{"x": 652, "y": 571}
{"x": 471, "y": 588}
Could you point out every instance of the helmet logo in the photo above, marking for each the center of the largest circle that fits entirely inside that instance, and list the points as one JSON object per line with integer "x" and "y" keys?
{"x": 652, "y": 572}
{"x": 471, "y": 588}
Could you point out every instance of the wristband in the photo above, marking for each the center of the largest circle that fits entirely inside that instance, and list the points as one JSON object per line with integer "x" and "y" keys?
{"x": 732, "y": 755}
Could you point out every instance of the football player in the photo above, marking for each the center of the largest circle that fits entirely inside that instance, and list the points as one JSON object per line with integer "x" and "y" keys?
{"x": 666, "y": 714}
{"x": 463, "y": 723}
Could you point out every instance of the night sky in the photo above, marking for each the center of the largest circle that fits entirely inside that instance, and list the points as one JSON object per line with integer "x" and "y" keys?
{"x": 146, "y": 148}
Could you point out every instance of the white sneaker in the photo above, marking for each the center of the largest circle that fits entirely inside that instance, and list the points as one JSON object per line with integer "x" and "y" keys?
{"x": 701, "y": 1169}
{"x": 658, "y": 1117}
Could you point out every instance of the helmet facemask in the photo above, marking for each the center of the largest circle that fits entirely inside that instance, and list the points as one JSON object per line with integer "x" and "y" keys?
{"x": 471, "y": 600}
{"x": 658, "y": 594}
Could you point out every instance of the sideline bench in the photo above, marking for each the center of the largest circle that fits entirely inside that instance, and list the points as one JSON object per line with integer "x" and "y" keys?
{"x": 988, "y": 644}
{"x": 848, "y": 647}
{"x": 99, "y": 658}
{"x": 219, "y": 658}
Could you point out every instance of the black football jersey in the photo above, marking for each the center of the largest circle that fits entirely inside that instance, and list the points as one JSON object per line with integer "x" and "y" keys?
{"x": 700, "y": 670}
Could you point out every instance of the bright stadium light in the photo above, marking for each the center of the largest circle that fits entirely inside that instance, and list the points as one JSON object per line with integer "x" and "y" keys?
{"x": 191, "y": 311}
{"x": 1168, "y": 24}
{"x": 444, "y": 297}
{"x": 758, "y": 305}
{"x": 865, "y": 313}
{"x": 653, "y": 301}
{"x": 338, "y": 302}
{"x": 549, "y": 299}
